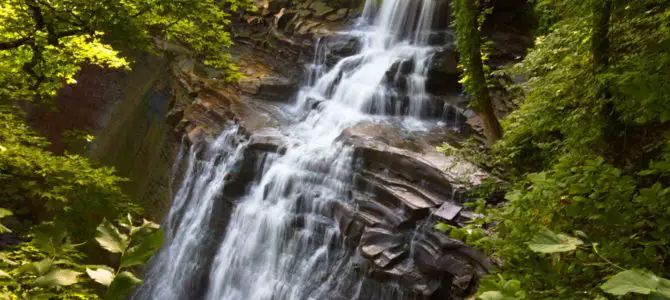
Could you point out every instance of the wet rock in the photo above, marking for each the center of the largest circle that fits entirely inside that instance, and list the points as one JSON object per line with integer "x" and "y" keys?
{"x": 376, "y": 240}
{"x": 445, "y": 61}
{"x": 448, "y": 211}
{"x": 277, "y": 89}
{"x": 196, "y": 135}
{"x": 266, "y": 140}
{"x": 340, "y": 46}
{"x": 406, "y": 67}
{"x": 375, "y": 213}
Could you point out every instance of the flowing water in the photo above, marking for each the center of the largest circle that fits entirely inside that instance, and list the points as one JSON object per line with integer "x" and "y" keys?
{"x": 281, "y": 241}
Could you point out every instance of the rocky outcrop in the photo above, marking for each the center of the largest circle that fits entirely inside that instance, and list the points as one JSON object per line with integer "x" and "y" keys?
{"x": 402, "y": 188}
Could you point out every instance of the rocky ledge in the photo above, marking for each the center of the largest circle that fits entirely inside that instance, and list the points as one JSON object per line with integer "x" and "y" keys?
{"x": 402, "y": 187}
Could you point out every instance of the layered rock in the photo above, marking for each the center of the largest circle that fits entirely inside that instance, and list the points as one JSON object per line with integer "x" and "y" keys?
{"x": 402, "y": 188}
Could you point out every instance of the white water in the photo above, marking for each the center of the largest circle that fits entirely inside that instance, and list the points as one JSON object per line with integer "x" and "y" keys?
{"x": 281, "y": 241}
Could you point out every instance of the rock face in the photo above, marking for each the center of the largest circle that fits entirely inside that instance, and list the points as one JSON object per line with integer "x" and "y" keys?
{"x": 402, "y": 188}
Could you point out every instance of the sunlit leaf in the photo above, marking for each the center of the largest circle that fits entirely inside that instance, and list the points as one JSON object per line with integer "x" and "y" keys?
{"x": 146, "y": 243}
{"x": 60, "y": 277}
{"x": 100, "y": 275}
{"x": 546, "y": 241}
{"x": 110, "y": 238}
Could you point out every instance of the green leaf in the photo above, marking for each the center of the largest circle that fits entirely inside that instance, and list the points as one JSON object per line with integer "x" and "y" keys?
{"x": 514, "y": 195}
{"x": 110, "y": 238}
{"x": 36, "y": 268}
{"x": 5, "y": 213}
{"x": 546, "y": 241}
{"x": 148, "y": 242}
{"x": 101, "y": 276}
{"x": 491, "y": 295}
{"x": 60, "y": 277}
{"x": 444, "y": 227}
{"x": 3, "y": 273}
{"x": 49, "y": 237}
{"x": 4, "y": 229}
{"x": 121, "y": 286}
{"x": 637, "y": 282}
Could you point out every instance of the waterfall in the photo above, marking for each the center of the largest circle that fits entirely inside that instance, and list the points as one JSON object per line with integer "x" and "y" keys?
{"x": 281, "y": 241}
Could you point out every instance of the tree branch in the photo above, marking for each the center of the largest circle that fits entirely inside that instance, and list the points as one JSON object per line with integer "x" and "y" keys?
{"x": 15, "y": 44}
{"x": 31, "y": 40}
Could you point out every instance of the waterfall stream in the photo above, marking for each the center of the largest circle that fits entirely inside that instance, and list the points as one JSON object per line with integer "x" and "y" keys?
{"x": 281, "y": 242}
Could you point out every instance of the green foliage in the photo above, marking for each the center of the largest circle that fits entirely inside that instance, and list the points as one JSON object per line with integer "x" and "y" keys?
{"x": 66, "y": 196}
{"x": 44, "y": 43}
{"x": 547, "y": 241}
{"x": 625, "y": 282}
{"x": 58, "y": 200}
{"x": 587, "y": 154}
{"x": 498, "y": 288}
{"x": 467, "y": 19}
{"x": 638, "y": 282}
{"x": 77, "y": 141}
{"x": 470, "y": 149}
{"x": 52, "y": 268}
{"x": 69, "y": 188}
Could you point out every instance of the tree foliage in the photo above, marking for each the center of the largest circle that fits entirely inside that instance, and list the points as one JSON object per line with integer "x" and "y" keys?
{"x": 57, "y": 201}
{"x": 587, "y": 154}
{"x": 43, "y": 43}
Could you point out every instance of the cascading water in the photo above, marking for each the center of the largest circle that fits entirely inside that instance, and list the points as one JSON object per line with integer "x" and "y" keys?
{"x": 281, "y": 241}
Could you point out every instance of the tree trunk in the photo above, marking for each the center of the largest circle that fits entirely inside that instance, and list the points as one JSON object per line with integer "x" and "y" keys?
{"x": 600, "y": 43}
{"x": 469, "y": 45}
{"x": 482, "y": 100}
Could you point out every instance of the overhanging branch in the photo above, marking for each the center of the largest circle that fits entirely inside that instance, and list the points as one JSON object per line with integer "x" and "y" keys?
{"x": 31, "y": 40}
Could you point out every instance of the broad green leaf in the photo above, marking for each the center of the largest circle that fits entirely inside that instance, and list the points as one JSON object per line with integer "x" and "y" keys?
{"x": 50, "y": 237}
{"x": 537, "y": 178}
{"x": 6, "y": 260}
{"x": 3, "y": 273}
{"x": 444, "y": 227}
{"x": 36, "y": 268}
{"x": 5, "y": 213}
{"x": 491, "y": 295}
{"x": 110, "y": 238}
{"x": 148, "y": 242}
{"x": 101, "y": 276}
{"x": 146, "y": 226}
{"x": 4, "y": 229}
{"x": 637, "y": 282}
{"x": 546, "y": 241}
{"x": 514, "y": 195}
{"x": 59, "y": 277}
{"x": 121, "y": 286}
